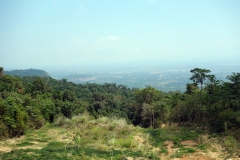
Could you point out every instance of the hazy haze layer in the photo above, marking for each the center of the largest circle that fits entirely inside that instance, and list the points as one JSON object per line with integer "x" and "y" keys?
{"x": 92, "y": 34}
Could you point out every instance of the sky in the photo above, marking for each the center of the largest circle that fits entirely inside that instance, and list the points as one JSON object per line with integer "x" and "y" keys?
{"x": 59, "y": 33}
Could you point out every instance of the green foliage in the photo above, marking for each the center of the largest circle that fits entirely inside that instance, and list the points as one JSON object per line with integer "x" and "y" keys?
{"x": 3, "y": 130}
{"x": 191, "y": 88}
{"x": 25, "y": 144}
{"x": 1, "y": 71}
{"x": 60, "y": 153}
{"x": 164, "y": 150}
{"x": 182, "y": 151}
{"x": 204, "y": 146}
{"x": 224, "y": 119}
{"x": 10, "y": 84}
{"x": 199, "y": 75}
{"x": 230, "y": 142}
{"x": 148, "y": 95}
{"x": 126, "y": 143}
{"x": 158, "y": 136}
{"x": 151, "y": 155}
{"x": 68, "y": 96}
{"x": 31, "y": 102}
{"x": 59, "y": 120}
{"x": 47, "y": 108}
{"x": 13, "y": 116}
{"x": 231, "y": 145}
{"x": 54, "y": 146}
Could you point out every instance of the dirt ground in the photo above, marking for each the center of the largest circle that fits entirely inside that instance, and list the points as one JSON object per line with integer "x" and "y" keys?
{"x": 214, "y": 152}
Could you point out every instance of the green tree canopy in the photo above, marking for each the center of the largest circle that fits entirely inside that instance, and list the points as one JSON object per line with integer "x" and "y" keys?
{"x": 1, "y": 71}
{"x": 199, "y": 75}
{"x": 148, "y": 95}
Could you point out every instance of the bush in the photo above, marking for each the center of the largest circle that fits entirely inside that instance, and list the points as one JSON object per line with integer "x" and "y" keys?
{"x": 83, "y": 118}
{"x": 38, "y": 122}
{"x": 204, "y": 146}
{"x": 230, "y": 144}
{"x": 119, "y": 122}
{"x": 3, "y": 130}
{"x": 59, "y": 120}
{"x": 103, "y": 120}
{"x": 151, "y": 155}
{"x": 127, "y": 143}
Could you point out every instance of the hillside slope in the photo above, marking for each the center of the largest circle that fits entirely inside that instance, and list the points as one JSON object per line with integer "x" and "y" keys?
{"x": 83, "y": 137}
{"x": 27, "y": 72}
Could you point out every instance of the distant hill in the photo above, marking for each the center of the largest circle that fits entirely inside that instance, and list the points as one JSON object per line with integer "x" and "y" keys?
{"x": 27, "y": 72}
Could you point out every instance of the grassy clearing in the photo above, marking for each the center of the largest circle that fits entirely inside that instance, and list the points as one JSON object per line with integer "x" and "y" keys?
{"x": 58, "y": 150}
{"x": 84, "y": 137}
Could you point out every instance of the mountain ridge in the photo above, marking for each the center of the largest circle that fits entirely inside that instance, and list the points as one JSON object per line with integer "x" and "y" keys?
{"x": 27, "y": 72}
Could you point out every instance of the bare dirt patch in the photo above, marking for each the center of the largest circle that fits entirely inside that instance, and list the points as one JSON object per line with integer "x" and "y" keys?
{"x": 5, "y": 149}
{"x": 196, "y": 157}
{"x": 189, "y": 143}
{"x": 139, "y": 139}
{"x": 214, "y": 153}
{"x": 169, "y": 145}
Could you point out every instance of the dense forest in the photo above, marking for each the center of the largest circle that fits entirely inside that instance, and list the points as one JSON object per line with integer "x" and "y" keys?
{"x": 30, "y": 102}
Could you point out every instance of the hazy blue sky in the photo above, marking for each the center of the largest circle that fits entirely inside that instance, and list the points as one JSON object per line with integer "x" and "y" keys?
{"x": 58, "y": 33}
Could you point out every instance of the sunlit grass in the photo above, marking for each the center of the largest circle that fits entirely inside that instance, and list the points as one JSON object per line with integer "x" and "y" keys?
{"x": 25, "y": 144}
{"x": 175, "y": 134}
{"x": 84, "y": 137}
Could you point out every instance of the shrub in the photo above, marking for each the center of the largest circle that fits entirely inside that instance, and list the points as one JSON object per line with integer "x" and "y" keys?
{"x": 59, "y": 120}
{"x": 127, "y": 143}
{"x": 120, "y": 122}
{"x": 151, "y": 155}
{"x": 38, "y": 122}
{"x": 111, "y": 142}
{"x": 83, "y": 118}
{"x": 204, "y": 146}
{"x": 3, "y": 130}
{"x": 103, "y": 120}
{"x": 230, "y": 144}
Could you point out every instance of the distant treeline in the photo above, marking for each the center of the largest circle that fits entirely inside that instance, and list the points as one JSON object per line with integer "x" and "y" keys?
{"x": 30, "y": 102}
{"x": 28, "y": 72}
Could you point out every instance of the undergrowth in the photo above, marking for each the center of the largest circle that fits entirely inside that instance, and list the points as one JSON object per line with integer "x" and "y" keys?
{"x": 81, "y": 137}
{"x": 84, "y": 137}
{"x": 175, "y": 134}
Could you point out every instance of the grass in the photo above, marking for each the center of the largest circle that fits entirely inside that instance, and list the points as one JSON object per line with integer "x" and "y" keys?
{"x": 57, "y": 150}
{"x": 164, "y": 150}
{"x": 55, "y": 146}
{"x": 204, "y": 147}
{"x": 182, "y": 151}
{"x": 38, "y": 139}
{"x": 231, "y": 145}
{"x": 84, "y": 137}
{"x": 175, "y": 134}
{"x": 25, "y": 144}
{"x": 102, "y": 138}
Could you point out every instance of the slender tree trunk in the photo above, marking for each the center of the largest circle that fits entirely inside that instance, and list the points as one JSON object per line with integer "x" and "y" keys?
{"x": 153, "y": 118}
{"x": 200, "y": 106}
